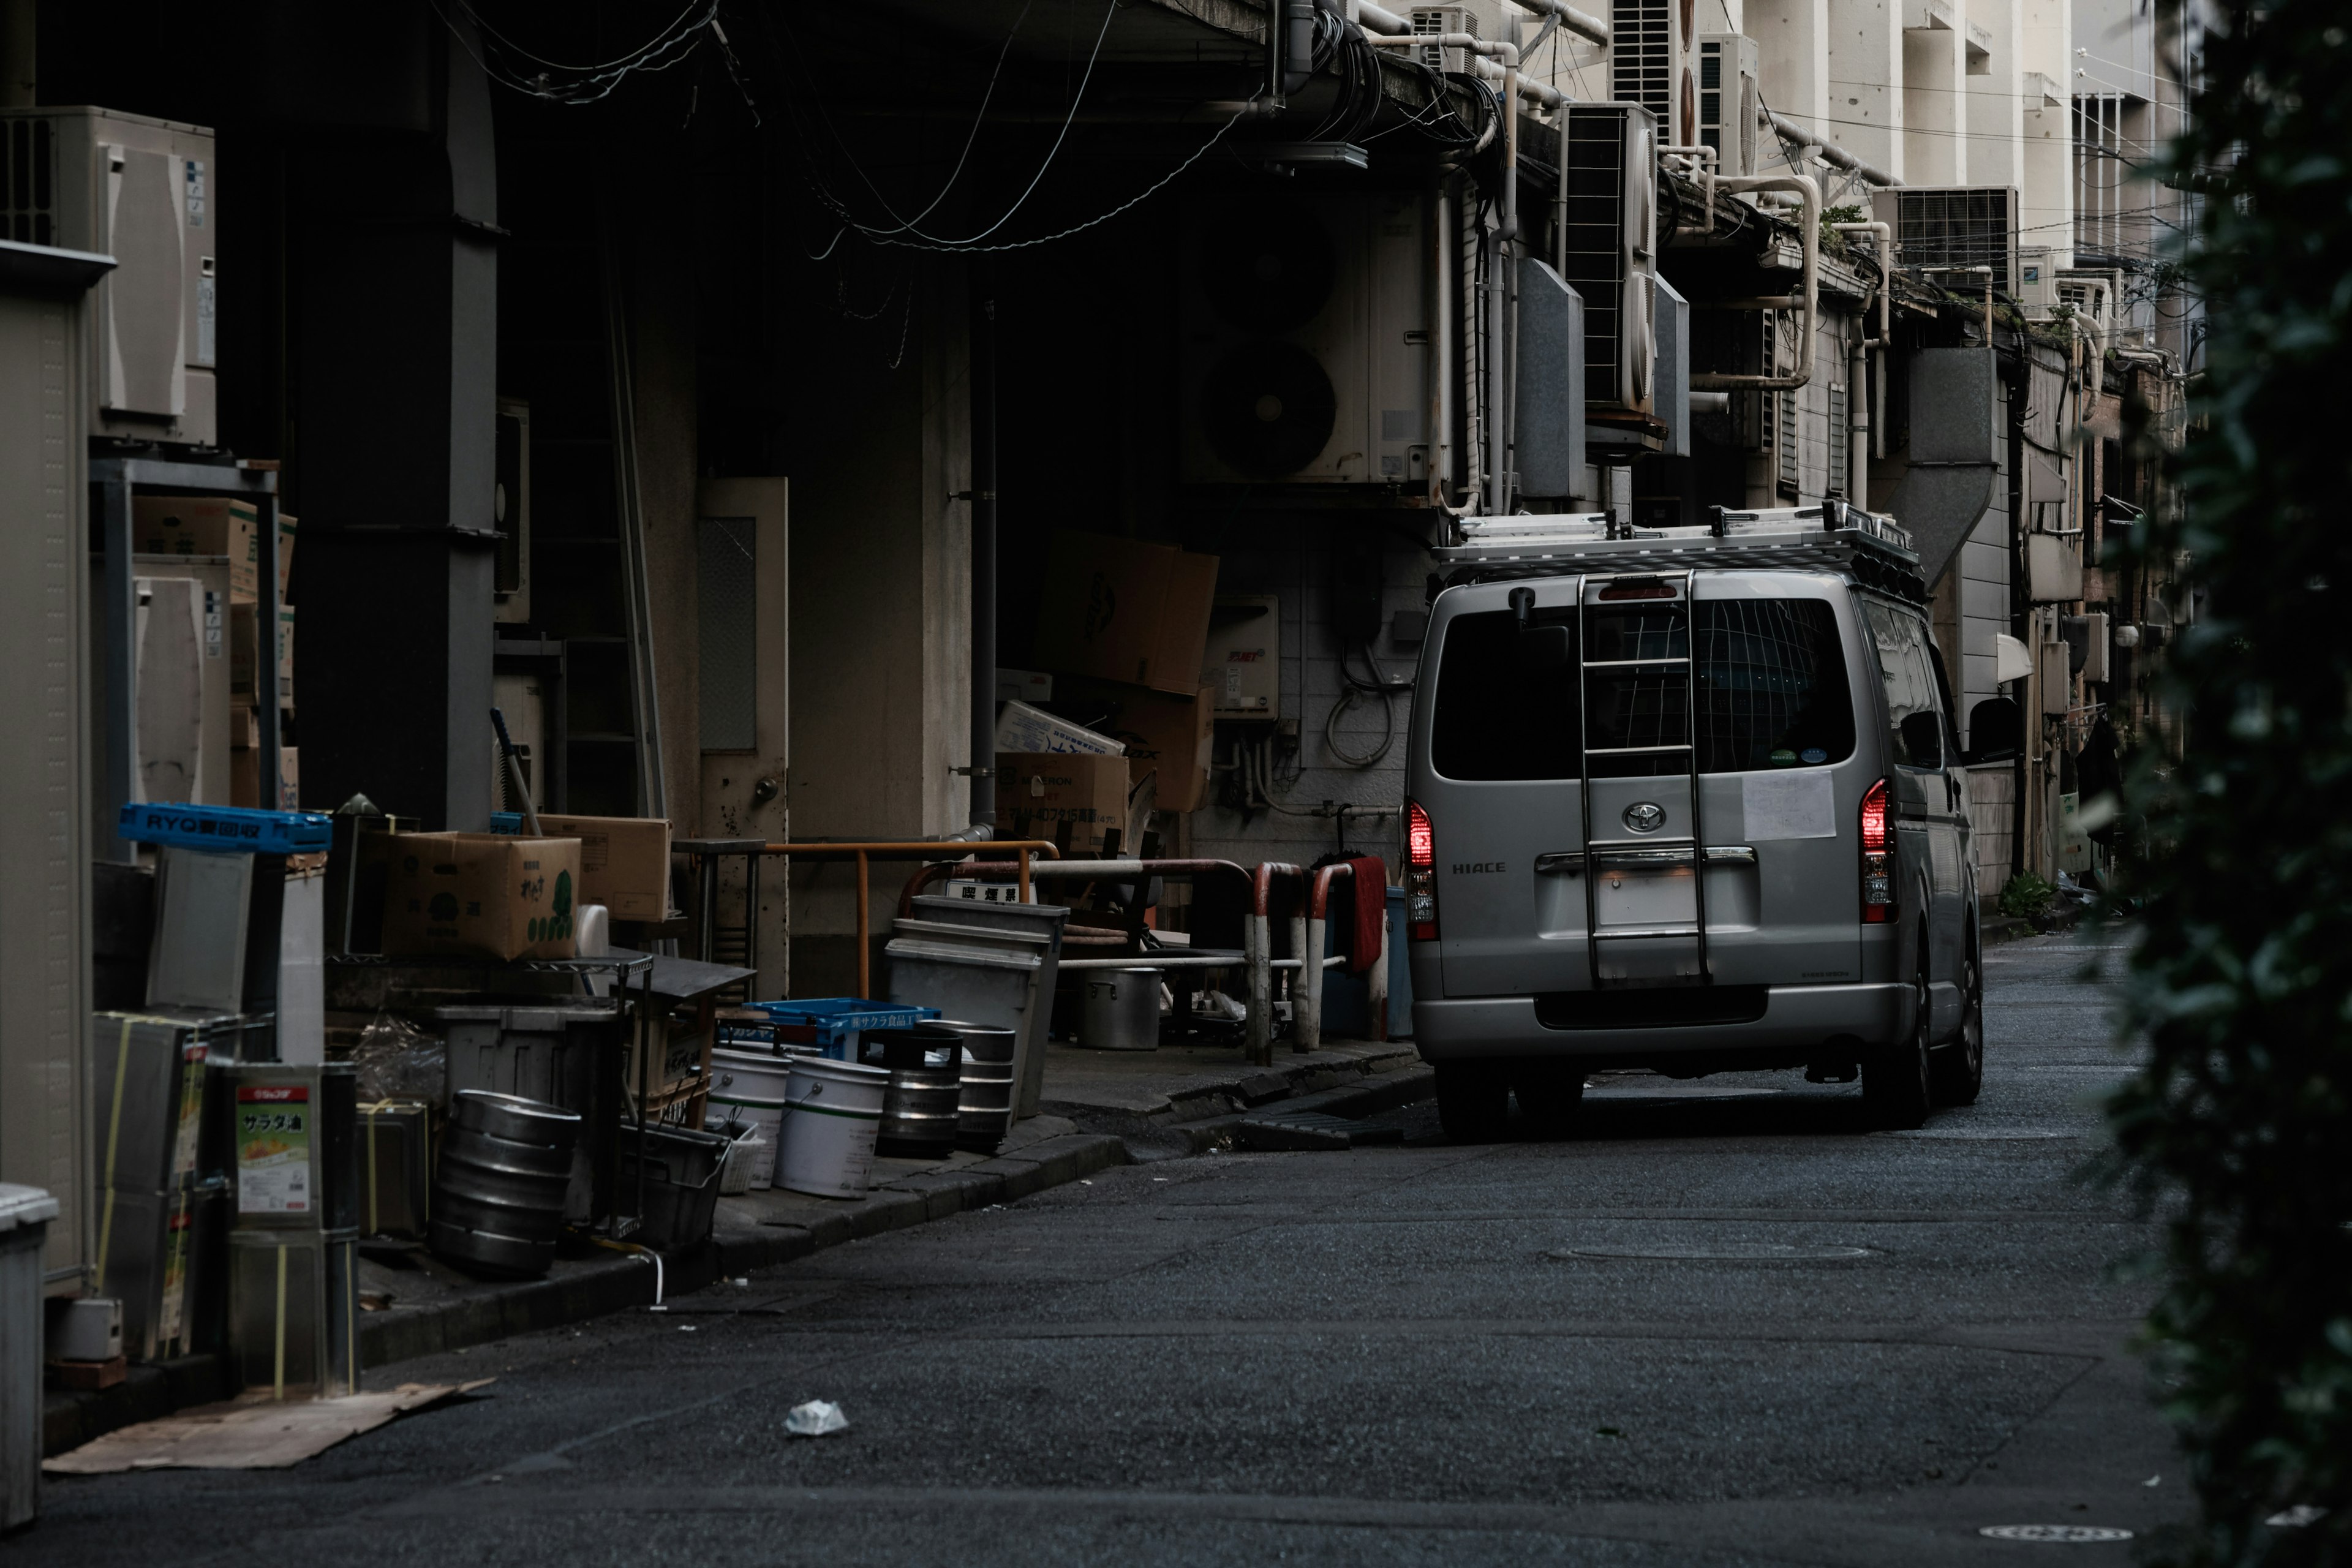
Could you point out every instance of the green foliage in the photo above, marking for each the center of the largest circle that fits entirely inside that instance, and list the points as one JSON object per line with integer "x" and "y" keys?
{"x": 2239, "y": 1127}
{"x": 2026, "y": 895}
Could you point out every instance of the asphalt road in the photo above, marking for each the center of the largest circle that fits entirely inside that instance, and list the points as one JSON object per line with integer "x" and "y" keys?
{"x": 1722, "y": 1325}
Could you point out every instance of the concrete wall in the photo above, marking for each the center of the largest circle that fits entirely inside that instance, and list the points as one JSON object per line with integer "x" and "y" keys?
{"x": 661, "y": 295}
{"x": 729, "y": 782}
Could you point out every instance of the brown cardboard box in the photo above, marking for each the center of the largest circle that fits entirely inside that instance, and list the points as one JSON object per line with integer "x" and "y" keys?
{"x": 1036, "y": 792}
{"x": 245, "y": 778}
{"x": 481, "y": 893}
{"x": 1123, "y": 610}
{"x": 624, "y": 862}
{"x": 241, "y": 621}
{"x": 1174, "y": 735}
{"x": 211, "y": 525}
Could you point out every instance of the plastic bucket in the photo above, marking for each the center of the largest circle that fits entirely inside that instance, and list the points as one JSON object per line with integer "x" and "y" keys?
{"x": 749, "y": 1090}
{"x": 832, "y": 1111}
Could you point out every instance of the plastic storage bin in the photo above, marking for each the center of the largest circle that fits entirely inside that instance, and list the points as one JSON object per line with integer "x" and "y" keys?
{"x": 25, "y": 1216}
{"x": 681, "y": 1194}
{"x": 830, "y": 1024}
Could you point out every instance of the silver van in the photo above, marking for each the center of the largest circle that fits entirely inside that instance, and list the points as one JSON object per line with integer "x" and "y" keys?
{"x": 1690, "y": 799}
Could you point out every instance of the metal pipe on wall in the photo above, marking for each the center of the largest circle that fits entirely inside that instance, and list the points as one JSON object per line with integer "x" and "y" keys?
{"x": 983, "y": 543}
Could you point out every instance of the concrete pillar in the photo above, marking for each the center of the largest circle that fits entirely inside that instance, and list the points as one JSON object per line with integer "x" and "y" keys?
{"x": 1792, "y": 61}
{"x": 2046, "y": 204}
{"x": 395, "y": 316}
{"x": 881, "y": 634}
{"x": 1996, "y": 104}
{"x": 1865, "y": 80}
{"x": 660, "y": 283}
{"x": 1935, "y": 94}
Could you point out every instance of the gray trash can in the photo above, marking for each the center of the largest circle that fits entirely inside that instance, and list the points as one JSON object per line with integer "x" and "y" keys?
{"x": 1042, "y": 920}
{"x": 25, "y": 1216}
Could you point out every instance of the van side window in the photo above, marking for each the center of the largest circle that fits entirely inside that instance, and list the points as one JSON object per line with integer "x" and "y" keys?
{"x": 1772, "y": 692}
{"x": 1915, "y": 721}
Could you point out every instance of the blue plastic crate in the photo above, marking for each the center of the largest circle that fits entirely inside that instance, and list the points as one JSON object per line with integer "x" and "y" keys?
{"x": 228, "y": 829}
{"x": 831, "y": 1024}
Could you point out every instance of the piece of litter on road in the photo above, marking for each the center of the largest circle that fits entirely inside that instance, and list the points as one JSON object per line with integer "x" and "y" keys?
{"x": 2151, "y": 1480}
{"x": 1083, "y": 1182}
{"x": 740, "y": 1280}
{"x": 2072, "y": 1535}
{"x": 2296, "y": 1518}
{"x": 686, "y": 1327}
{"x": 657, "y": 1306}
{"x": 814, "y": 1419}
{"x": 1158, "y": 1178}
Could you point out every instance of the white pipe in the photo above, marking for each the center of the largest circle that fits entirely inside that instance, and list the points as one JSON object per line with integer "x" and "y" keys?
{"x": 1709, "y": 161}
{"x": 2099, "y": 318}
{"x": 1372, "y": 19}
{"x": 1497, "y": 443}
{"x": 1591, "y": 30}
{"x": 1307, "y": 994}
{"x": 1828, "y": 149}
{"x": 1810, "y": 225}
{"x": 1884, "y": 235}
{"x": 1858, "y": 423}
{"x": 1441, "y": 351}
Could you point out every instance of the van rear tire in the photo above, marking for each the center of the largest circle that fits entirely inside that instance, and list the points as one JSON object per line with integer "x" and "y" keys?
{"x": 1897, "y": 1081}
{"x": 1473, "y": 1101}
{"x": 1960, "y": 1066}
{"x": 1551, "y": 1093}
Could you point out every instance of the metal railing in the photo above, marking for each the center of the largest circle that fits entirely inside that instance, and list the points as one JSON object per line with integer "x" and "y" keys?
{"x": 946, "y": 851}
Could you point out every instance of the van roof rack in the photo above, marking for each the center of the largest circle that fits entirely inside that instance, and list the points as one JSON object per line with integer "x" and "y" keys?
{"x": 1873, "y": 549}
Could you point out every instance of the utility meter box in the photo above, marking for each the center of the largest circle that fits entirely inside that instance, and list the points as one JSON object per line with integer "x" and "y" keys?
{"x": 138, "y": 190}
{"x": 1242, "y": 663}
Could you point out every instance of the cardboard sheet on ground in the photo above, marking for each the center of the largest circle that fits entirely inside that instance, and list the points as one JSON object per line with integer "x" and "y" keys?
{"x": 250, "y": 1434}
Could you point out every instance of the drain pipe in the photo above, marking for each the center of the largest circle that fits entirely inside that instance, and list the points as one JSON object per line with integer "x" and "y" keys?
{"x": 1831, "y": 154}
{"x": 1441, "y": 349}
{"x": 984, "y": 547}
{"x": 1591, "y": 30}
{"x": 1884, "y": 235}
{"x": 1807, "y": 303}
{"x": 1498, "y": 477}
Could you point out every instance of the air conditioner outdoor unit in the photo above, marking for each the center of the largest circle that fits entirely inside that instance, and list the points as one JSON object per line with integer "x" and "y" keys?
{"x": 2037, "y": 282}
{"x": 1941, "y": 229}
{"x": 1436, "y": 19}
{"x": 1305, "y": 353}
{"x": 1727, "y": 75}
{"x": 1613, "y": 219}
{"x": 138, "y": 190}
{"x": 1650, "y": 63}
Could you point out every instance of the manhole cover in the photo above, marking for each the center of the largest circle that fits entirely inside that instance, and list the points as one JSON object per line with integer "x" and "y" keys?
{"x": 2077, "y": 1534}
{"x": 1719, "y": 1252}
{"x": 1975, "y": 1134}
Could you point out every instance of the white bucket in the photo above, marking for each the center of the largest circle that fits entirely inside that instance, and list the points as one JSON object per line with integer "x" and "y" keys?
{"x": 749, "y": 1089}
{"x": 833, "y": 1110}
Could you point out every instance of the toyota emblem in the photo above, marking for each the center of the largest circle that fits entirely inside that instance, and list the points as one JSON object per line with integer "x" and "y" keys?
{"x": 1645, "y": 817}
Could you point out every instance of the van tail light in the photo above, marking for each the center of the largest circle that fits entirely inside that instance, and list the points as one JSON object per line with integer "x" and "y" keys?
{"x": 1878, "y": 871}
{"x": 1420, "y": 875}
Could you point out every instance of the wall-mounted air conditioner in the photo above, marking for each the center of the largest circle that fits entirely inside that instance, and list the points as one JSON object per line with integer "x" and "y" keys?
{"x": 2037, "y": 282}
{"x": 1305, "y": 353}
{"x": 1612, "y": 220}
{"x": 1727, "y": 75}
{"x": 1941, "y": 229}
{"x": 1433, "y": 19}
{"x": 138, "y": 190}
{"x": 1650, "y": 62}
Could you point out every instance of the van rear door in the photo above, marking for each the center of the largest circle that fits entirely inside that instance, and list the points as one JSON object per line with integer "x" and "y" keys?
{"x": 1500, "y": 760}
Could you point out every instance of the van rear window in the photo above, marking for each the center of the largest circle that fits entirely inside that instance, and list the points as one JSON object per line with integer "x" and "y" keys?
{"x": 1772, "y": 692}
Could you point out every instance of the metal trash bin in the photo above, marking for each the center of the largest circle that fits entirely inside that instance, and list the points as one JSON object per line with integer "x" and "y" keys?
{"x": 919, "y": 1108}
{"x": 980, "y": 983}
{"x": 1042, "y": 919}
{"x": 1122, "y": 1010}
{"x": 25, "y": 1216}
{"x": 680, "y": 1188}
{"x": 294, "y": 1314}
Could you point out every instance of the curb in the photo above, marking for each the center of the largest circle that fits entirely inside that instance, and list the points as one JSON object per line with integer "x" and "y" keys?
{"x": 1383, "y": 1091}
{"x": 1215, "y": 1103}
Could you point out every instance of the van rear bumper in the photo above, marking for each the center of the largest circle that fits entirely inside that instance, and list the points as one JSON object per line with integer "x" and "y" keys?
{"x": 1795, "y": 1018}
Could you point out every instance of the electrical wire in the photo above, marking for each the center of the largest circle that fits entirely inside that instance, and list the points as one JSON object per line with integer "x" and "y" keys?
{"x": 593, "y": 83}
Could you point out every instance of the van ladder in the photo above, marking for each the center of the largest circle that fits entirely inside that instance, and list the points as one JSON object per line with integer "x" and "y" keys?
{"x": 1671, "y": 850}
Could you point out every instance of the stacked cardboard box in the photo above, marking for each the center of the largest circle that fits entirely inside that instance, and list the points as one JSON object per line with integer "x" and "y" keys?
{"x": 1121, "y": 628}
{"x": 225, "y": 528}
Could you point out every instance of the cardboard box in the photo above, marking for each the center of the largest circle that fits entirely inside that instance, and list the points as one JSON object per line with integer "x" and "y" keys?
{"x": 1175, "y": 736}
{"x": 1037, "y": 795}
{"x": 213, "y": 525}
{"x": 481, "y": 893}
{"x": 242, "y": 620}
{"x": 1122, "y": 610}
{"x": 245, "y": 778}
{"x": 1020, "y": 728}
{"x": 624, "y": 862}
